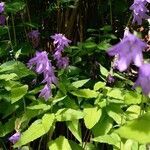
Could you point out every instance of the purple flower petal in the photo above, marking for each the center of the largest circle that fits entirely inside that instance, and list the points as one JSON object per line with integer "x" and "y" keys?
{"x": 143, "y": 79}
{"x": 15, "y": 137}
{"x": 2, "y": 7}
{"x": 128, "y": 50}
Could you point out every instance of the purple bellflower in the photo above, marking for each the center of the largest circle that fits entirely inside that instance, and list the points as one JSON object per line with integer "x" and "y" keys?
{"x": 42, "y": 65}
{"x": 139, "y": 11}
{"x": 60, "y": 41}
{"x": 110, "y": 79}
{"x": 143, "y": 79}
{"x": 34, "y": 35}
{"x": 2, "y": 7}
{"x": 15, "y": 137}
{"x": 128, "y": 50}
{"x": 2, "y": 20}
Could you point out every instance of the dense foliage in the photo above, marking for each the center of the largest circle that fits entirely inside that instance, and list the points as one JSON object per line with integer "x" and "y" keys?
{"x": 74, "y": 74}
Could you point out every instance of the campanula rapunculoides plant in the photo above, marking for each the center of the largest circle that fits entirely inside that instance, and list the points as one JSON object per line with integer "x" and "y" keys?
{"x": 34, "y": 36}
{"x": 58, "y": 51}
{"x": 140, "y": 11}
{"x": 42, "y": 65}
{"x": 128, "y": 50}
{"x": 60, "y": 43}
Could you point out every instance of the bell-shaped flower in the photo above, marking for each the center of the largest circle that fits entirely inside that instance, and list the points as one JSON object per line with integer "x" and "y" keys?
{"x": 2, "y": 7}
{"x": 34, "y": 36}
{"x": 42, "y": 65}
{"x": 128, "y": 50}
{"x": 139, "y": 11}
{"x": 143, "y": 79}
{"x": 15, "y": 137}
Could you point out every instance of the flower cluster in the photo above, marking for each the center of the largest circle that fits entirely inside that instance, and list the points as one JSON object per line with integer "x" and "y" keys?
{"x": 139, "y": 10}
{"x": 61, "y": 42}
{"x": 35, "y": 38}
{"x": 42, "y": 65}
{"x": 15, "y": 137}
{"x": 128, "y": 50}
{"x": 2, "y": 17}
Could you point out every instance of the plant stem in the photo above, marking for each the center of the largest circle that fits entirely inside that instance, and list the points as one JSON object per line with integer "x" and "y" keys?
{"x": 13, "y": 27}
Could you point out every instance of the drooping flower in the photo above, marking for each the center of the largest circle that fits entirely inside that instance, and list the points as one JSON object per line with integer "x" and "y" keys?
{"x": 143, "y": 79}
{"x": 45, "y": 92}
{"x": 110, "y": 79}
{"x": 60, "y": 41}
{"x": 42, "y": 65}
{"x": 63, "y": 62}
{"x": 128, "y": 50}
{"x": 2, "y": 7}
{"x": 34, "y": 35}
{"x": 2, "y": 20}
{"x": 15, "y": 137}
{"x": 139, "y": 11}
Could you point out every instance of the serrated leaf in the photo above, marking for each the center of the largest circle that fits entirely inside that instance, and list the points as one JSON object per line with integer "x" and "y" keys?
{"x": 36, "y": 130}
{"x": 17, "y": 93}
{"x": 99, "y": 85}
{"x": 15, "y": 67}
{"x": 69, "y": 115}
{"x": 95, "y": 114}
{"x": 137, "y": 129}
{"x": 61, "y": 143}
{"x": 112, "y": 139}
{"x": 80, "y": 83}
{"x": 104, "y": 71}
{"x": 115, "y": 93}
{"x": 39, "y": 106}
{"x": 75, "y": 129}
{"x": 14, "y": 7}
{"x": 85, "y": 93}
{"x": 116, "y": 113}
{"x": 132, "y": 98}
{"x": 8, "y": 77}
{"x": 103, "y": 126}
{"x": 7, "y": 127}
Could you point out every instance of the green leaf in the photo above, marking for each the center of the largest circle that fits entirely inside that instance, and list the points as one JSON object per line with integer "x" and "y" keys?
{"x": 115, "y": 93}
{"x": 104, "y": 45}
{"x": 85, "y": 93}
{"x": 16, "y": 67}
{"x": 61, "y": 143}
{"x": 92, "y": 116}
{"x": 75, "y": 146}
{"x": 7, "y": 127}
{"x": 103, "y": 126}
{"x": 18, "y": 92}
{"x": 112, "y": 139}
{"x": 8, "y": 77}
{"x": 89, "y": 45}
{"x": 132, "y": 97}
{"x": 75, "y": 129}
{"x": 116, "y": 113}
{"x": 133, "y": 112}
{"x": 3, "y": 30}
{"x": 69, "y": 114}
{"x": 39, "y": 106}
{"x": 104, "y": 71}
{"x": 80, "y": 83}
{"x": 36, "y": 130}
{"x": 14, "y": 7}
{"x": 137, "y": 129}
{"x": 99, "y": 85}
